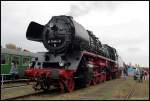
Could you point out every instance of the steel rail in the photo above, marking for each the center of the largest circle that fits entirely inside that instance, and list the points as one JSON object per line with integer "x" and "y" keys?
{"x": 131, "y": 92}
{"x": 31, "y": 94}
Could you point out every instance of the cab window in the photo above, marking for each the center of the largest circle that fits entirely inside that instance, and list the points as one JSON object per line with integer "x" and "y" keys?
{"x": 3, "y": 59}
{"x": 16, "y": 59}
{"x": 26, "y": 60}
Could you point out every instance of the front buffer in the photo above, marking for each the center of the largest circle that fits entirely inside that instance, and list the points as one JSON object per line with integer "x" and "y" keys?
{"x": 46, "y": 78}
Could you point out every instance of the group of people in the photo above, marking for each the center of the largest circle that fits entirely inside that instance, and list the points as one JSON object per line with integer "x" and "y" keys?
{"x": 139, "y": 73}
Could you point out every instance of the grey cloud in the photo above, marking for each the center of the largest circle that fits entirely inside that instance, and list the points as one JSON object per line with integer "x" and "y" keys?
{"x": 130, "y": 39}
{"x": 84, "y": 7}
{"x": 133, "y": 49}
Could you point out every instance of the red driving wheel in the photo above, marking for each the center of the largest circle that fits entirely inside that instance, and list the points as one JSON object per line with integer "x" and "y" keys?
{"x": 94, "y": 81}
{"x": 104, "y": 77}
{"x": 61, "y": 87}
{"x": 98, "y": 79}
{"x": 88, "y": 83}
{"x": 70, "y": 84}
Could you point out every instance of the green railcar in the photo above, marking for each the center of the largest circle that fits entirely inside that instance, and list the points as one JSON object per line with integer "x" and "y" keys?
{"x": 22, "y": 58}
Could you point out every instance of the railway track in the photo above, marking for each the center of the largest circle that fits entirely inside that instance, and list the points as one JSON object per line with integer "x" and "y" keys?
{"x": 23, "y": 96}
{"x": 131, "y": 92}
{"x": 8, "y": 90}
{"x": 18, "y": 85}
{"x": 30, "y": 94}
{"x": 14, "y": 84}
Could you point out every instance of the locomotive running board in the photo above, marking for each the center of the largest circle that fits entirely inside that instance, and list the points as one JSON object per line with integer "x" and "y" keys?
{"x": 94, "y": 55}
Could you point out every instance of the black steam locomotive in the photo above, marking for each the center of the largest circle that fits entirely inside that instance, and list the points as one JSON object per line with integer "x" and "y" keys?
{"x": 75, "y": 56}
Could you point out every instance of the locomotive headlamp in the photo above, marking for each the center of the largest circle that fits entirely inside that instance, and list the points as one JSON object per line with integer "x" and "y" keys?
{"x": 51, "y": 25}
{"x": 90, "y": 65}
{"x": 61, "y": 63}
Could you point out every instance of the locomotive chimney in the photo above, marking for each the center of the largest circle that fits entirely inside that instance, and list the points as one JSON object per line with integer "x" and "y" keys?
{"x": 34, "y": 31}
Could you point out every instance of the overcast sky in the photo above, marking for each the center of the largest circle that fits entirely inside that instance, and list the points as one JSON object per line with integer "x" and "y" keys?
{"x": 121, "y": 24}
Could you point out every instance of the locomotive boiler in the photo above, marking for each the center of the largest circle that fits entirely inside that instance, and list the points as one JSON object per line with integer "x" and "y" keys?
{"x": 75, "y": 57}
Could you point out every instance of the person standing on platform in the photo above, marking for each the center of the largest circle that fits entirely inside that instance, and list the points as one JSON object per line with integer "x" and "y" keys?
{"x": 135, "y": 72}
{"x": 145, "y": 75}
{"x": 13, "y": 70}
{"x": 125, "y": 71}
{"x": 141, "y": 75}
